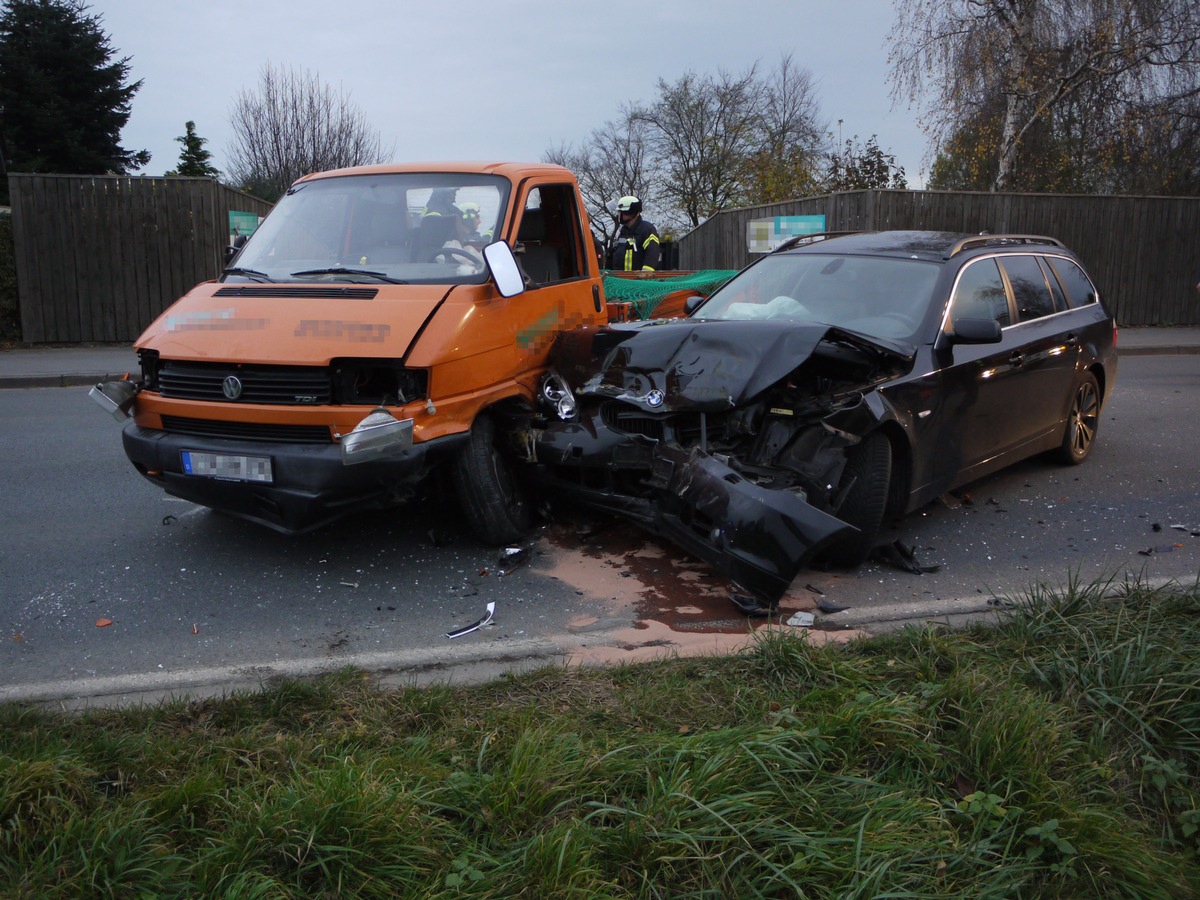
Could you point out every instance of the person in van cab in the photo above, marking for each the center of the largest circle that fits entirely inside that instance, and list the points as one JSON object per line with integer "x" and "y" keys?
{"x": 465, "y": 242}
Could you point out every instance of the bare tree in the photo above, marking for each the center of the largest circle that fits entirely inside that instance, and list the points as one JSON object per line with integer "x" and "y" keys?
{"x": 612, "y": 162}
{"x": 294, "y": 124}
{"x": 703, "y": 130}
{"x": 1073, "y": 68}
{"x": 785, "y": 165}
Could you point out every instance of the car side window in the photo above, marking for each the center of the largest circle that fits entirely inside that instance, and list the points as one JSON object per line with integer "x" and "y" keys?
{"x": 1029, "y": 287}
{"x": 980, "y": 294}
{"x": 1079, "y": 288}
{"x": 1056, "y": 291}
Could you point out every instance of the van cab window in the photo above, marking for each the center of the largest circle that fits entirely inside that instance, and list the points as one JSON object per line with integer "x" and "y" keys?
{"x": 548, "y": 235}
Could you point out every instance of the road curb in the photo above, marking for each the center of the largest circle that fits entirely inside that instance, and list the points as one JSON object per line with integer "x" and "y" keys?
{"x": 892, "y": 613}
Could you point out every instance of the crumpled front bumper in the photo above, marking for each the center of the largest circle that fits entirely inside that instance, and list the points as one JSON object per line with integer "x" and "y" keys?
{"x": 758, "y": 537}
{"x": 311, "y": 485}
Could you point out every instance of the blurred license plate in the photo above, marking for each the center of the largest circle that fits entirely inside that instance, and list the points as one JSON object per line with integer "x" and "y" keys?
{"x": 221, "y": 465}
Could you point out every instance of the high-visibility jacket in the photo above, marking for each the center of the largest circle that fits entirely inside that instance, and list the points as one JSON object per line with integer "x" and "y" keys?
{"x": 637, "y": 248}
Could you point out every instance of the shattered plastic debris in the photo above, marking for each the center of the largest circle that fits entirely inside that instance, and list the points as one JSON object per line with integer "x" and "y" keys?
{"x": 750, "y": 606}
{"x": 195, "y": 629}
{"x": 900, "y": 555}
{"x": 511, "y": 559}
{"x": 826, "y": 606}
{"x": 103, "y": 623}
{"x": 802, "y": 620}
{"x": 486, "y": 620}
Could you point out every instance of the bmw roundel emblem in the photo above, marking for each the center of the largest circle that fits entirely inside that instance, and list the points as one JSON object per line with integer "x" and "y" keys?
{"x": 231, "y": 387}
{"x": 655, "y": 398}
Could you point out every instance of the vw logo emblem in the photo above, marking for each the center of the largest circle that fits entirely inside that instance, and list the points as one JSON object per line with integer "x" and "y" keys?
{"x": 231, "y": 387}
{"x": 655, "y": 398}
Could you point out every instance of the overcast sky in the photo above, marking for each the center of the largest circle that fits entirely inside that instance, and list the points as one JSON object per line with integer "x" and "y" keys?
{"x": 492, "y": 80}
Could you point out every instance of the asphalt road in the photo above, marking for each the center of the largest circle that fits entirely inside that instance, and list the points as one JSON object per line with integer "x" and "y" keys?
{"x": 197, "y": 598}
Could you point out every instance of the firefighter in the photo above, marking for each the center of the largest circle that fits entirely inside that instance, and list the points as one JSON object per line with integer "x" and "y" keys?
{"x": 637, "y": 246}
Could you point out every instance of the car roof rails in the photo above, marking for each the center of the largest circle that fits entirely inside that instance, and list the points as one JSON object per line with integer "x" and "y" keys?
{"x": 811, "y": 238}
{"x": 984, "y": 240}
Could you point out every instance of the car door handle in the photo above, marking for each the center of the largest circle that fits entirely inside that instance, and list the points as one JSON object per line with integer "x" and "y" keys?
{"x": 1072, "y": 340}
{"x": 1017, "y": 359}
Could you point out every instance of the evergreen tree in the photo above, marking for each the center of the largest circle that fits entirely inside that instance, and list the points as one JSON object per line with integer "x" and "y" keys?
{"x": 63, "y": 98}
{"x": 194, "y": 159}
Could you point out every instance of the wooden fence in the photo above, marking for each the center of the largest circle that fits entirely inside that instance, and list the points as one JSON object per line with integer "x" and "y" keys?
{"x": 1143, "y": 252}
{"x": 99, "y": 257}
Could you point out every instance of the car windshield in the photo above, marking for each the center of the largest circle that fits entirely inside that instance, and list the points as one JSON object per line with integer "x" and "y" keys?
{"x": 883, "y": 297}
{"x": 375, "y": 228}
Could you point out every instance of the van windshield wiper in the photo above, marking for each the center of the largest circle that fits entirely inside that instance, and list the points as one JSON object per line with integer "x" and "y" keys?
{"x": 249, "y": 273}
{"x": 341, "y": 270}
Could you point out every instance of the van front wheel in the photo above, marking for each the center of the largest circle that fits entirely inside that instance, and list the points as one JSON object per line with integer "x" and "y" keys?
{"x": 494, "y": 502}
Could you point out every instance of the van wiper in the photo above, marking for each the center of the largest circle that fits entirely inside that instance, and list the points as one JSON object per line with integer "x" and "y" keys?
{"x": 249, "y": 273}
{"x": 341, "y": 270}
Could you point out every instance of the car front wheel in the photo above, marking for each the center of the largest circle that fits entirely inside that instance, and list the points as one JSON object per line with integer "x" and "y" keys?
{"x": 865, "y": 481}
{"x": 1082, "y": 421}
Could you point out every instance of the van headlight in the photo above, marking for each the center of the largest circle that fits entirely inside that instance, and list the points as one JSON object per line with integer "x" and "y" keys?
{"x": 377, "y": 436}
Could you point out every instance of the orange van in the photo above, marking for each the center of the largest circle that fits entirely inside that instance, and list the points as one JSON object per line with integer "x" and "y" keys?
{"x": 380, "y": 322}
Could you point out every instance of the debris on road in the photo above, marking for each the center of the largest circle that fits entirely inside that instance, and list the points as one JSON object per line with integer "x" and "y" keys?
{"x": 750, "y": 606}
{"x": 802, "y": 620}
{"x": 903, "y": 557}
{"x": 103, "y": 623}
{"x": 486, "y": 620}
{"x": 511, "y": 559}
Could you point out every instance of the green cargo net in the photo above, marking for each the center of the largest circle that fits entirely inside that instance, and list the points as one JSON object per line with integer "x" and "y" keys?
{"x": 646, "y": 293}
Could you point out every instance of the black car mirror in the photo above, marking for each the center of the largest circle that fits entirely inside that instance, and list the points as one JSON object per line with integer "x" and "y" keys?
{"x": 690, "y": 304}
{"x": 976, "y": 331}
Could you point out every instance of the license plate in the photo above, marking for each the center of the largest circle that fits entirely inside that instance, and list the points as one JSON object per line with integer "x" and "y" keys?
{"x": 226, "y": 466}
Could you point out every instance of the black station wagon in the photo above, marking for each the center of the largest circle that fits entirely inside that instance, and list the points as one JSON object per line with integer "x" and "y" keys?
{"x": 833, "y": 386}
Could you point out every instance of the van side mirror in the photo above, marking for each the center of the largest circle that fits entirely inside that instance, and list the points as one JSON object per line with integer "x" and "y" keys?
{"x": 505, "y": 271}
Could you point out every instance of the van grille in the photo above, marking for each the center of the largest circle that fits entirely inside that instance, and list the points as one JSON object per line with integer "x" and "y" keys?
{"x": 280, "y": 385}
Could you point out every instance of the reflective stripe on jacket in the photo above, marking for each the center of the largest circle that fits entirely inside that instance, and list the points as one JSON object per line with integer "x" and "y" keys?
{"x": 637, "y": 248}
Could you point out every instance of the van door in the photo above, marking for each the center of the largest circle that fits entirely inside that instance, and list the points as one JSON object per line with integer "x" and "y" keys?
{"x": 562, "y": 293}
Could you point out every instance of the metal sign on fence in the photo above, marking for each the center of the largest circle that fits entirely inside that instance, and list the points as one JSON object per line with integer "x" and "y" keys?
{"x": 764, "y": 235}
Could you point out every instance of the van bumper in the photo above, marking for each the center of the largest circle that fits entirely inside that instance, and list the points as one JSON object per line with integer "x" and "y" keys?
{"x": 310, "y": 485}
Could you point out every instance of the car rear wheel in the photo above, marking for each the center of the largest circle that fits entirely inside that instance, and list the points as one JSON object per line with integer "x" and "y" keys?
{"x": 1082, "y": 421}
{"x": 494, "y": 502}
{"x": 868, "y": 474}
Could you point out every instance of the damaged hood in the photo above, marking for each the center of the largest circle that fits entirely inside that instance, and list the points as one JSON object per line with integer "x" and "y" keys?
{"x": 711, "y": 365}
{"x": 292, "y": 324}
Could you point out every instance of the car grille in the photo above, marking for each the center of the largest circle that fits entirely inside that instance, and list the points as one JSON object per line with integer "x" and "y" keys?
{"x": 631, "y": 420}
{"x": 687, "y": 429}
{"x": 248, "y": 431}
{"x": 281, "y": 385}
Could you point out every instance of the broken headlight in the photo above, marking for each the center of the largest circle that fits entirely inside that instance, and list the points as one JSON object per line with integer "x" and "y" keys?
{"x": 558, "y": 397}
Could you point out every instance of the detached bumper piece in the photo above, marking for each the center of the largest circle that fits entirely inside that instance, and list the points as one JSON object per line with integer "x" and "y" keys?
{"x": 759, "y": 538}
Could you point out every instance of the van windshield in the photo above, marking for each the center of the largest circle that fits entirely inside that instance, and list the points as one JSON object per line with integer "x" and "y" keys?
{"x": 409, "y": 228}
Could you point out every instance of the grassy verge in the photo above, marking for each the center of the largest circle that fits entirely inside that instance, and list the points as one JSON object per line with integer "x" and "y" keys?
{"x": 1054, "y": 755}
